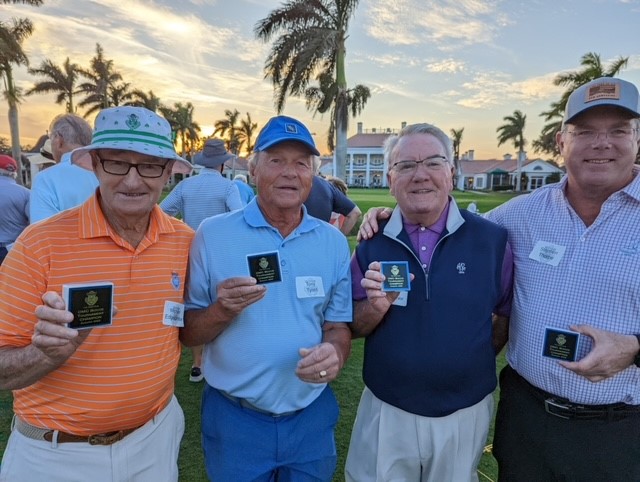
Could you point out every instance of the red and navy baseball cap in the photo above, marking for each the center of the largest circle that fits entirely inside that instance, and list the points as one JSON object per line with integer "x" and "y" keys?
{"x": 282, "y": 128}
{"x": 8, "y": 163}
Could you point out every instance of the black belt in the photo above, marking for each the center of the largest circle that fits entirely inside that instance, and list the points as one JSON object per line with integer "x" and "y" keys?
{"x": 563, "y": 408}
{"x": 243, "y": 402}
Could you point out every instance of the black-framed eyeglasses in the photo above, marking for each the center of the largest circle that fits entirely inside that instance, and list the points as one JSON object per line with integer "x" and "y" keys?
{"x": 435, "y": 163}
{"x": 122, "y": 168}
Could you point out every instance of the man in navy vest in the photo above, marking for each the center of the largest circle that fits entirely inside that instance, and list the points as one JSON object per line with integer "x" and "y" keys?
{"x": 429, "y": 362}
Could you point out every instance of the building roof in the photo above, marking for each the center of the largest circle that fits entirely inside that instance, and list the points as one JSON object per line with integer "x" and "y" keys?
{"x": 367, "y": 140}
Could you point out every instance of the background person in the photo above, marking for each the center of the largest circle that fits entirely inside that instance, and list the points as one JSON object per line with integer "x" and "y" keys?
{"x": 64, "y": 185}
{"x": 429, "y": 363}
{"x": 199, "y": 197}
{"x": 325, "y": 199}
{"x": 246, "y": 191}
{"x": 14, "y": 205}
{"x": 270, "y": 349}
{"x": 98, "y": 404}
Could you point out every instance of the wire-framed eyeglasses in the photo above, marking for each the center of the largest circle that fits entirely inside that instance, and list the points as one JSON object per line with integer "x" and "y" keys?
{"x": 591, "y": 135}
{"x": 432, "y": 164}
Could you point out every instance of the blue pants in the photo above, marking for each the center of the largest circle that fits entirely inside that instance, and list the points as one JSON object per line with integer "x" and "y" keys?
{"x": 241, "y": 444}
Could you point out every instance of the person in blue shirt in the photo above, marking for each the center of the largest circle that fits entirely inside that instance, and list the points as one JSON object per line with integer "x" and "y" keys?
{"x": 14, "y": 205}
{"x": 246, "y": 191}
{"x": 269, "y": 295}
{"x": 325, "y": 199}
{"x": 64, "y": 185}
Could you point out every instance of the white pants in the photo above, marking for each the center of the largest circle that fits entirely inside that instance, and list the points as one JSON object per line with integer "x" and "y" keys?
{"x": 150, "y": 454}
{"x": 389, "y": 444}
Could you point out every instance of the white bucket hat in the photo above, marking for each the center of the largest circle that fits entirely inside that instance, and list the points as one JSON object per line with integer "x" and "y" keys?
{"x": 132, "y": 129}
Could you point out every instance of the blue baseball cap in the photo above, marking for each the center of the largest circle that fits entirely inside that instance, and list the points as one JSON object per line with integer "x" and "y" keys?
{"x": 282, "y": 128}
{"x": 603, "y": 91}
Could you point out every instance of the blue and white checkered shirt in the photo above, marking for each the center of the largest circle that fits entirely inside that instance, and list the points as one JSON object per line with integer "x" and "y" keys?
{"x": 198, "y": 197}
{"x": 595, "y": 281}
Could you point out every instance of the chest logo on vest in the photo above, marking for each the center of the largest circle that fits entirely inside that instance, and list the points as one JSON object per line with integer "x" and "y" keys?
{"x": 461, "y": 267}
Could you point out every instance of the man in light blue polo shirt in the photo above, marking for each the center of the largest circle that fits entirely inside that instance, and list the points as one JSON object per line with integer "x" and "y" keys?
{"x": 269, "y": 295}
{"x": 64, "y": 185}
{"x": 199, "y": 197}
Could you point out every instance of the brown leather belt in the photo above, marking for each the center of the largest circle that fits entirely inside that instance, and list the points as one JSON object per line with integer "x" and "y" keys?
{"x": 46, "y": 434}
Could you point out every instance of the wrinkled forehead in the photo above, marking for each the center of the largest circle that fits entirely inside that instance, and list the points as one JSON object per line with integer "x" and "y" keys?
{"x": 417, "y": 146}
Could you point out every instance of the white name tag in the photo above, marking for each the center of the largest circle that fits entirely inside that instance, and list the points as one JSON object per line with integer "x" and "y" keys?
{"x": 173, "y": 314}
{"x": 402, "y": 299}
{"x": 547, "y": 253}
{"x": 309, "y": 287}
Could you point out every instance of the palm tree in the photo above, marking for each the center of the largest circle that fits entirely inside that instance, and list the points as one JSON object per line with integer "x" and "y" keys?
{"x": 247, "y": 130}
{"x": 119, "y": 94}
{"x": 228, "y": 127}
{"x": 513, "y": 131}
{"x": 101, "y": 77}
{"x": 592, "y": 68}
{"x": 11, "y": 53}
{"x": 324, "y": 97}
{"x": 147, "y": 100}
{"x": 58, "y": 80}
{"x": 182, "y": 124}
{"x": 456, "y": 138}
{"x": 311, "y": 36}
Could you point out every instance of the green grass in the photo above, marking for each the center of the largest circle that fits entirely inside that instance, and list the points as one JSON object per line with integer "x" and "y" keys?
{"x": 347, "y": 387}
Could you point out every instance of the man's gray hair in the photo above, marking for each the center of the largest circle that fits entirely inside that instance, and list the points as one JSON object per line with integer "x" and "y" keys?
{"x": 412, "y": 129}
{"x": 73, "y": 129}
{"x": 255, "y": 157}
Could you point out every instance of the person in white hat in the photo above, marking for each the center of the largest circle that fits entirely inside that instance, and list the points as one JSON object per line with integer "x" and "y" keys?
{"x": 575, "y": 415}
{"x": 44, "y": 157}
{"x": 63, "y": 185}
{"x": 97, "y": 404}
{"x": 198, "y": 197}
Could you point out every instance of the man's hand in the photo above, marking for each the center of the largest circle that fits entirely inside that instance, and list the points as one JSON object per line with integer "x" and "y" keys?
{"x": 611, "y": 354}
{"x": 379, "y": 300}
{"x": 370, "y": 220}
{"x": 51, "y": 336}
{"x": 319, "y": 364}
{"x": 235, "y": 294}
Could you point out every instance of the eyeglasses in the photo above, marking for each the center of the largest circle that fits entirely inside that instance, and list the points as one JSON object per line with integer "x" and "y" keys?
{"x": 122, "y": 168}
{"x": 588, "y": 135}
{"x": 432, "y": 164}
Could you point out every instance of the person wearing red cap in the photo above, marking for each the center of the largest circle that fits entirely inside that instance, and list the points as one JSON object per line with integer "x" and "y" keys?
{"x": 14, "y": 205}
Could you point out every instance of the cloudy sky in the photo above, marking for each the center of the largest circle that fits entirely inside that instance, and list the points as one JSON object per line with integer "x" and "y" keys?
{"x": 455, "y": 63}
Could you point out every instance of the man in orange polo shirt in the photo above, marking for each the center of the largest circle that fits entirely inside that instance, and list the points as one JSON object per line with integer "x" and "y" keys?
{"x": 97, "y": 404}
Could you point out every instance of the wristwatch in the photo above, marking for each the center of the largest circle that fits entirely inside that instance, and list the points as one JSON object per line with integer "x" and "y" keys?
{"x": 636, "y": 360}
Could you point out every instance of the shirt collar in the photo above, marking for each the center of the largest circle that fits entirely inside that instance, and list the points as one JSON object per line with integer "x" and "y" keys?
{"x": 254, "y": 218}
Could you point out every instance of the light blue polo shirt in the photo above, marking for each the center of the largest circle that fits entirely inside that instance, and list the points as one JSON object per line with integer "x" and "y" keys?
{"x": 60, "y": 187}
{"x": 256, "y": 356}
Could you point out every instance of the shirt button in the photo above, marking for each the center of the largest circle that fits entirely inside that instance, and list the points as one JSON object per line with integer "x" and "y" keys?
{"x": 422, "y": 228}
{"x": 424, "y": 248}
{"x": 424, "y": 265}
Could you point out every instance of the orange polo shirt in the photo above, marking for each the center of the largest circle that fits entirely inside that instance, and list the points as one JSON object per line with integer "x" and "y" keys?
{"x": 122, "y": 375}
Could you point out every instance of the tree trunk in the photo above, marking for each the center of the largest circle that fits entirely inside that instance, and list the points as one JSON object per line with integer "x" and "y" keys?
{"x": 341, "y": 117}
{"x": 14, "y": 125}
